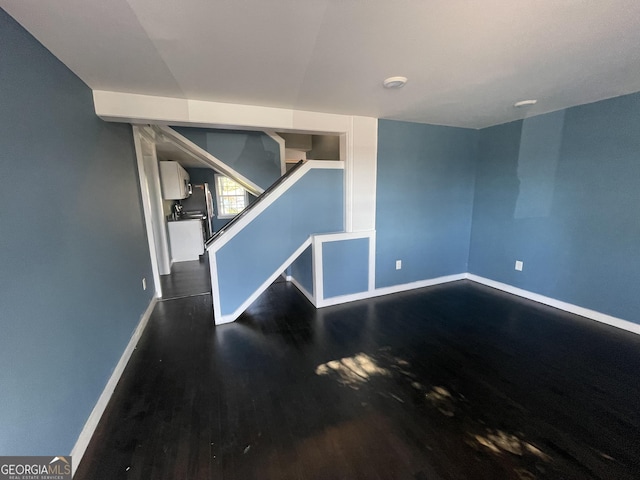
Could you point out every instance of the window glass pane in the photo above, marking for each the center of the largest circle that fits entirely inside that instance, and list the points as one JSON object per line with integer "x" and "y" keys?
{"x": 232, "y": 198}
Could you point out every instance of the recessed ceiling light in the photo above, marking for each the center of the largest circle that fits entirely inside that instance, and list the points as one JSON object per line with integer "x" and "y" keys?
{"x": 525, "y": 103}
{"x": 395, "y": 82}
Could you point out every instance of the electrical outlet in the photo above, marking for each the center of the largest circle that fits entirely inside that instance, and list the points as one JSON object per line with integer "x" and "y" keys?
{"x": 144, "y": 283}
{"x": 398, "y": 264}
{"x": 519, "y": 265}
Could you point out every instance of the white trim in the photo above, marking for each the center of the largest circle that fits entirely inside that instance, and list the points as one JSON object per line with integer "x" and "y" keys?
{"x": 254, "y": 212}
{"x": 219, "y": 196}
{"x": 348, "y": 179}
{"x": 215, "y": 286}
{"x": 559, "y": 304}
{"x": 318, "y": 271}
{"x": 90, "y": 425}
{"x": 363, "y": 172}
{"x": 372, "y": 262}
{"x": 379, "y": 292}
{"x": 232, "y": 317}
{"x": 138, "y": 108}
{"x": 139, "y": 136}
{"x": 158, "y": 219}
{"x": 300, "y": 287}
{"x": 207, "y": 159}
{"x": 339, "y": 236}
{"x": 281, "y": 143}
{"x": 420, "y": 284}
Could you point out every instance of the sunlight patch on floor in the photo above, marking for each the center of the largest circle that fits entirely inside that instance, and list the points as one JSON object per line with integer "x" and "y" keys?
{"x": 352, "y": 371}
{"x": 441, "y": 399}
{"x": 499, "y": 441}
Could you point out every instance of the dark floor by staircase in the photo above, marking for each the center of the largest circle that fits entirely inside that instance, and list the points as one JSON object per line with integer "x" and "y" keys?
{"x": 187, "y": 279}
{"x": 456, "y": 381}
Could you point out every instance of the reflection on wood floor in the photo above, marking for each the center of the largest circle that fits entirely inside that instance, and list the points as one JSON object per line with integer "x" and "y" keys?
{"x": 457, "y": 381}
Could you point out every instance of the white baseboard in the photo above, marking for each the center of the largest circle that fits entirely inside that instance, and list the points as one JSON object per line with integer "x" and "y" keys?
{"x": 420, "y": 284}
{"x": 92, "y": 422}
{"x": 552, "y": 302}
{"x": 378, "y": 292}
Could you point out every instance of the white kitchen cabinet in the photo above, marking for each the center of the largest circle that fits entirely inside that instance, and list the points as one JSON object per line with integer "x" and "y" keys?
{"x": 175, "y": 181}
{"x": 186, "y": 238}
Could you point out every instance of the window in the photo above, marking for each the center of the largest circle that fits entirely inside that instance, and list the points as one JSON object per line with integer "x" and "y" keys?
{"x": 232, "y": 198}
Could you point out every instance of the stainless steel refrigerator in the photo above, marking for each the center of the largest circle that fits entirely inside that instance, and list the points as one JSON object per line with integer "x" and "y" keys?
{"x": 201, "y": 201}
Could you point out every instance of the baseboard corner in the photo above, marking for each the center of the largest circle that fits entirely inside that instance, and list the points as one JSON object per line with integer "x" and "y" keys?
{"x": 559, "y": 304}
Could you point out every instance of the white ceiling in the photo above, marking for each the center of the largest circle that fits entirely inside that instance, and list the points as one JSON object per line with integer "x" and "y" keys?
{"x": 467, "y": 61}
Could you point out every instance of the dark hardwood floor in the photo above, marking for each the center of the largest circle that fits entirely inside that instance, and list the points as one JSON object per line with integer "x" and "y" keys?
{"x": 187, "y": 279}
{"x": 457, "y": 381}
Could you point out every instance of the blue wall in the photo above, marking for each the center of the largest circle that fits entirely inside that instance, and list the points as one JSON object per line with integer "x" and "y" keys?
{"x": 73, "y": 249}
{"x": 424, "y": 200}
{"x": 203, "y": 175}
{"x": 312, "y": 205}
{"x": 253, "y": 154}
{"x": 561, "y": 192}
{"x": 345, "y": 267}
{"x": 302, "y": 270}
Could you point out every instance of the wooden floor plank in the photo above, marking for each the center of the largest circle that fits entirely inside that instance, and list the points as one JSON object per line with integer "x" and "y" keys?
{"x": 448, "y": 382}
